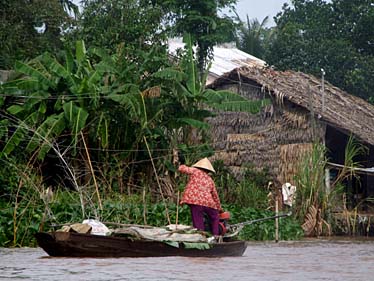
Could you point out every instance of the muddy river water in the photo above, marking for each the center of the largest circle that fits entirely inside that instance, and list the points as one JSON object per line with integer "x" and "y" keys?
{"x": 316, "y": 259}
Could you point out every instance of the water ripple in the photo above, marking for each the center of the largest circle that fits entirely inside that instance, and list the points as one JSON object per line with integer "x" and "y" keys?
{"x": 312, "y": 259}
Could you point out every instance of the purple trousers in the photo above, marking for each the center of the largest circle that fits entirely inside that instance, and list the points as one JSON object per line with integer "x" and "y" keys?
{"x": 197, "y": 213}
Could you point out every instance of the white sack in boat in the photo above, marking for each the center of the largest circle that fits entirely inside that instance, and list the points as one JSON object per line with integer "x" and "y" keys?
{"x": 98, "y": 228}
{"x": 161, "y": 234}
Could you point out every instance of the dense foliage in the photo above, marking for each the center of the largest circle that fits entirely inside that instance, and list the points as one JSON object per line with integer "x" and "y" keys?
{"x": 254, "y": 37}
{"x": 206, "y": 23}
{"x": 28, "y": 28}
{"x": 109, "y": 23}
{"x": 133, "y": 23}
{"x": 331, "y": 35}
{"x": 26, "y": 208}
{"x": 100, "y": 124}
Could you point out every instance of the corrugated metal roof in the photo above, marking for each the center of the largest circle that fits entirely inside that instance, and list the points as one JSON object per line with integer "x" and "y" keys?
{"x": 226, "y": 58}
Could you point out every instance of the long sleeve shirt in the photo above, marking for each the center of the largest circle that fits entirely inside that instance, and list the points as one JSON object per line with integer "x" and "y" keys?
{"x": 200, "y": 189}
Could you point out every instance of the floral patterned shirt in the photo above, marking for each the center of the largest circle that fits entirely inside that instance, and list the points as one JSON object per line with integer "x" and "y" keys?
{"x": 200, "y": 189}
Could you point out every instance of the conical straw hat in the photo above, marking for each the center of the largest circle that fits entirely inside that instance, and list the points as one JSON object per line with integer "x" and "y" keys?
{"x": 204, "y": 164}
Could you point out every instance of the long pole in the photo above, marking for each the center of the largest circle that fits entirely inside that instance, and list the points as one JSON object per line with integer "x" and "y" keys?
{"x": 158, "y": 181}
{"x": 276, "y": 220}
{"x": 92, "y": 172}
{"x": 323, "y": 89}
{"x": 176, "y": 217}
{"x": 261, "y": 219}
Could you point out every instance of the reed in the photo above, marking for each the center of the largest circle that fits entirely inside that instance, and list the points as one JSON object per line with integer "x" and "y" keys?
{"x": 315, "y": 205}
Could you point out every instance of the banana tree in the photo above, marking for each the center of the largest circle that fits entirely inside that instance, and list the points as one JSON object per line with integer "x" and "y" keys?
{"x": 187, "y": 101}
{"x": 37, "y": 90}
{"x": 70, "y": 97}
{"x": 105, "y": 98}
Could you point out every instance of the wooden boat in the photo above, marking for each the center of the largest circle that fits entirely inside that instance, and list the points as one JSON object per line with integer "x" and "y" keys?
{"x": 70, "y": 244}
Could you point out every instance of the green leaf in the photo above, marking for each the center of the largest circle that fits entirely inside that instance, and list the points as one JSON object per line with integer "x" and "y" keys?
{"x": 69, "y": 60}
{"x": 34, "y": 99}
{"x": 34, "y": 73}
{"x": 131, "y": 102}
{"x": 193, "y": 122}
{"x": 27, "y": 83}
{"x": 42, "y": 107}
{"x": 170, "y": 74}
{"x": 229, "y": 101}
{"x": 172, "y": 243}
{"x": 102, "y": 131}
{"x": 76, "y": 116}
{"x": 15, "y": 109}
{"x": 14, "y": 140}
{"x": 191, "y": 68}
{"x": 59, "y": 70}
{"x": 51, "y": 127}
{"x": 4, "y": 128}
{"x": 80, "y": 51}
{"x": 206, "y": 75}
{"x": 94, "y": 78}
{"x": 195, "y": 245}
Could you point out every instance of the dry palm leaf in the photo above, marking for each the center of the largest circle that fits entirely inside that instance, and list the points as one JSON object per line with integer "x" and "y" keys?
{"x": 310, "y": 221}
{"x": 153, "y": 92}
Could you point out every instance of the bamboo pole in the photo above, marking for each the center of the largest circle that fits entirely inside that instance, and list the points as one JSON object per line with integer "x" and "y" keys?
{"x": 92, "y": 172}
{"x": 157, "y": 179}
{"x": 276, "y": 219}
{"x": 144, "y": 207}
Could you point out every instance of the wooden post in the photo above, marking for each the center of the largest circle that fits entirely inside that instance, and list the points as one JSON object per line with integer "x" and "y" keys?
{"x": 328, "y": 190}
{"x": 276, "y": 219}
{"x": 144, "y": 207}
{"x": 176, "y": 217}
{"x": 327, "y": 181}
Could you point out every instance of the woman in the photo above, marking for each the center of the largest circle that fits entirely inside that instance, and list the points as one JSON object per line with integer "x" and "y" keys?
{"x": 201, "y": 195}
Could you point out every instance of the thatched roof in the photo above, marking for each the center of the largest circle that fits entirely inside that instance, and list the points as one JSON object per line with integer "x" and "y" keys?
{"x": 4, "y": 75}
{"x": 347, "y": 113}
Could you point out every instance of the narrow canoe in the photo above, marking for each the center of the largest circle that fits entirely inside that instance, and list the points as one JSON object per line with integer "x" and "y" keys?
{"x": 70, "y": 244}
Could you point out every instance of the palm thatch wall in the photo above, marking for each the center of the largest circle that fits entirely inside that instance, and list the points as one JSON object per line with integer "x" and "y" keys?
{"x": 278, "y": 136}
{"x": 4, "y": 75}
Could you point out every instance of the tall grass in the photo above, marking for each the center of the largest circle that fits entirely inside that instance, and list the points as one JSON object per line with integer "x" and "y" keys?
{"x": 26, "y": 208}
{"x": 310, "y": 181}
{"x": 315, "y": 204}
